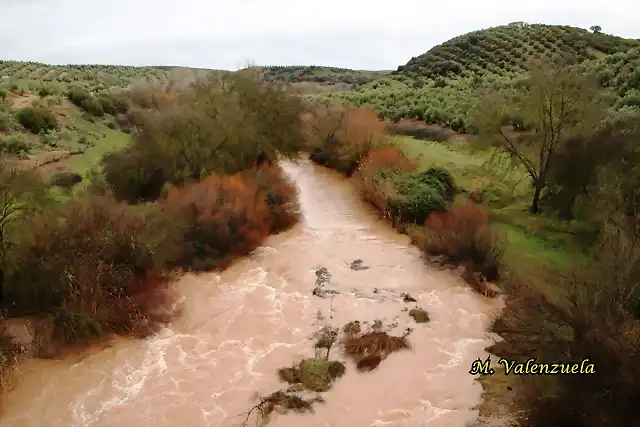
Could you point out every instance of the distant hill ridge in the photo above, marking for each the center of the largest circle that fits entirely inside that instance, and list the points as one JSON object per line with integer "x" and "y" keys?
{"x": 510, "y": 48}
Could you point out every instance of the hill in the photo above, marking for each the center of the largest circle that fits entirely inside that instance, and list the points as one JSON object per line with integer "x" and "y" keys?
{"x": 31, "y": 76}
{"x": 509, "y": 49}
{"x": 323, "y": 78}
{"x": 440, "y": 86}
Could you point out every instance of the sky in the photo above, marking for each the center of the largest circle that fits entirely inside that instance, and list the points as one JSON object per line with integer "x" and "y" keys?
{"x": 373, "y": 35}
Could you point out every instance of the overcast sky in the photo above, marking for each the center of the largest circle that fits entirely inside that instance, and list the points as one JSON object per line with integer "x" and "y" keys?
{"x": 227, "y": 34}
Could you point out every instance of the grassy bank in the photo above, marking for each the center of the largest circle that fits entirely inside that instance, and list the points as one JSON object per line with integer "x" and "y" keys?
{"x": 532, "y": 240}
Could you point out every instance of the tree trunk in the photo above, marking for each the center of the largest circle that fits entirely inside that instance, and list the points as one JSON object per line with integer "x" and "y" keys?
{"x": 535, "y": 203}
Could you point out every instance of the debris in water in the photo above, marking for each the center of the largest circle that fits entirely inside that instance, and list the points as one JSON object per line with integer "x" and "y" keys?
{"x": 370, "y": 349}
{"x": 325, "y": 338}
{"x": 377, "y": 324}
{"x": 352, "y": 328}
{"x": 336, "y": 369}
{"x": 368, "y": 363}
{"x": 356, "y": 265}
{"x": 314, "y": 374}
{"x": 408, "y": 298}
{"x": 323, "y": 278}
{"x": 419, "y": 315}
{"x": 282, "y": 402}
{"x": 290, "y": 375}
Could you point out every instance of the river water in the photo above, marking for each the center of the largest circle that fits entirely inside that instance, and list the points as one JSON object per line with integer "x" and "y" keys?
{"x": 239, "y": 326}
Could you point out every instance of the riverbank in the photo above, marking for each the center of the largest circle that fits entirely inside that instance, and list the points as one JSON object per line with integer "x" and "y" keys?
{"x": 240, "y": 326}
{"x": 93, "y": 260}
{"x": 527, "y": 246}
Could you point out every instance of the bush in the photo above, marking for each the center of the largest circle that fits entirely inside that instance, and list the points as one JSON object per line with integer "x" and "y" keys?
{"x": 43, "y": 92}
{"x": 372, "y": 185}
{"x": 107, "y": 105}
{"x": 15, "y": 145}
{"x": 219, "y": 125}
{"x": 229, "y": 216}
{"x": 36, "y": 119}
{"x": 389, "y": 180}
{"x": 463, "y": 236}
{"x": 3, "y": 94}
{"x": 443, "y": 178}
{"x": 417, "y": 195}
{"x": 587, "y": 319}
{"x": 65, "y": 179}
{"x": 94, "y": 266}
{"x": 281, "y": 195}
{"x": 92, "y": 106}
{"x": 6, "y": 122}
{"x": 418, "y": 131}
{"x": 342, "y": 135}
{"x": 78, "y": 95}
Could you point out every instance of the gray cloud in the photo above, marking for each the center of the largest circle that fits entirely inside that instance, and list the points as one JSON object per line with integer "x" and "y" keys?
{"x": 216, "y": 34}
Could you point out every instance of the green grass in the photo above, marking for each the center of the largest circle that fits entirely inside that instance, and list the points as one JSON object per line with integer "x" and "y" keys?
{"x": 113, "y": 141}
{"x": 533, "y": 242}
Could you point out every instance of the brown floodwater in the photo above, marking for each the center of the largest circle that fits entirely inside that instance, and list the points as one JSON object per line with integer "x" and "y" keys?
{"x": 239, "y": 326}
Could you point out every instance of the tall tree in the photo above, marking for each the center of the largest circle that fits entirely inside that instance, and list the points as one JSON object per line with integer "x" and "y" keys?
{"x": 557, "y": 102}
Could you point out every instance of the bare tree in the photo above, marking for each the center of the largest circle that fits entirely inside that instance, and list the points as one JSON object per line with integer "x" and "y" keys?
{"x": 556, "y": 103}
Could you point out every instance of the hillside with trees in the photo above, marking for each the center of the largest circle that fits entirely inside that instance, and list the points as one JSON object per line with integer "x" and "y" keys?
{"x": 509, "y": 49}
{"x": 440, "y": 86}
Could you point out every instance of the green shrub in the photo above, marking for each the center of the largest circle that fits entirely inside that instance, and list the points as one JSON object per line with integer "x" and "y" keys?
{"x": 417, "y": 196}
{"x": 219, "y": 125}
{"x": 36, "y": 119}
{"x": 15, "y": 144}
{"x": 65, "y": 179}
{"x": 92, "y": 106}
{"x": 6, "y": 122}
{"x": 442, "y": 176}
{"x": 45, "y": 91}
{"x": 107, "y": 105}
{"x": 78, "y": 95}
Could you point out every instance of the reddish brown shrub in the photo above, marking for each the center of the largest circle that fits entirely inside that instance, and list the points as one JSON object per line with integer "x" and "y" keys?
{"x": 229, "y": 216}
{"x": 95, "y": 266}
{"x": 462, "y": 235}
{"x": 281, "y": 195}
{"x": 343, "y": 135}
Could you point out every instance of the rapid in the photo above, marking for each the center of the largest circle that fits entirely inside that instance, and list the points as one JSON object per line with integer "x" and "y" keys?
{"x": 237, "y": 327}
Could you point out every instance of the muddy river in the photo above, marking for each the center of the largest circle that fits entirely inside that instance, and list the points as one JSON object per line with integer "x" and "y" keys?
{"x": 240, "y": 326}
